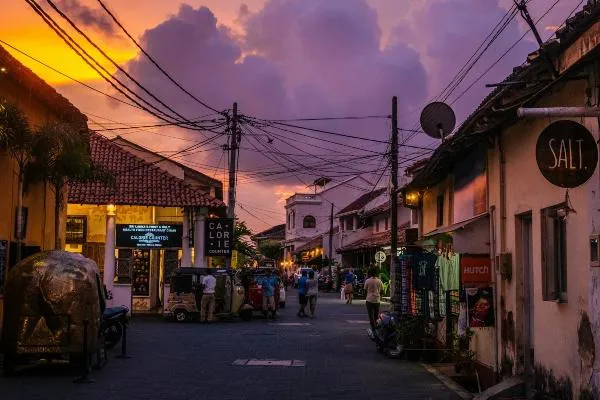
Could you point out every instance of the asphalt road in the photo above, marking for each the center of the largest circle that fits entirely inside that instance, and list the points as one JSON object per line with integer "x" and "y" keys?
{"x": 329, "y": 357}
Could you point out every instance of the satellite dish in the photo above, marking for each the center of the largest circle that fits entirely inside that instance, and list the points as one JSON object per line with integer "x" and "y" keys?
{"x": 438, "y": 120}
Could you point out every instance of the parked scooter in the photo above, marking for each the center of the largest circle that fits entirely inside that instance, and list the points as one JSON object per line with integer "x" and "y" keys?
{"x": 113, "y": 321}
{"x": 385, "y": 334}
{"x": 325, "y": 283}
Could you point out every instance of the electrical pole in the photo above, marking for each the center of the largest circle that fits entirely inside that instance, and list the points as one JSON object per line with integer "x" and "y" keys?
{"x": 395, "y": 273}
{"x": 233, "y": 146}
{"x": 330, "y": 240}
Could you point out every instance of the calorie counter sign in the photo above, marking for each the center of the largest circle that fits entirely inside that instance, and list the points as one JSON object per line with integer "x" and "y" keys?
{"x": 219, "y": 237}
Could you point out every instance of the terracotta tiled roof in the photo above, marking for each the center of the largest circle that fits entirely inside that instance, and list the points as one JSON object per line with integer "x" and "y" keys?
{"x": 137, "y": 182}
{"x": 362, "y": 201}
{"x": 37, "y": 87}
{"x": 377, "y": 240}
{"x": 275, "y": 232}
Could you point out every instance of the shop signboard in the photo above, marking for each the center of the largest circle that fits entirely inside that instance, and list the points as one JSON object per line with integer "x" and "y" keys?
{"x": 566, "y": 154}
{"x": 140, "y": 236}
{"x": 219, "y": 240}
{"x": 475, "y": 269}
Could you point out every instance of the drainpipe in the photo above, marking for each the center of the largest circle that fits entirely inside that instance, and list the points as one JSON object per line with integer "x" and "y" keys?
{"x": 500, "y": 286}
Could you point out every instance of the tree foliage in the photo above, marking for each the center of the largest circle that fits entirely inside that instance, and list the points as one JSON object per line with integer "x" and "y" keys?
{"x": 271, "y": 249}
{"x": 242, "y": 239}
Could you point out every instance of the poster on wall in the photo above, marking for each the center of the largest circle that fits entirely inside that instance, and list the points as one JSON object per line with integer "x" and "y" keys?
{"x": 480, "y": 303}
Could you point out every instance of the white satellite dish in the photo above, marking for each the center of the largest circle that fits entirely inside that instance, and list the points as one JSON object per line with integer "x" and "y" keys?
{"x": 438, "y": 120}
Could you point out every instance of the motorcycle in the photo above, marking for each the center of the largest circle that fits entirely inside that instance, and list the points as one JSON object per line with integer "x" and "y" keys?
{"x": 326, "y": 283}
{"x": 385, "y": 334}
{"x": 113, "y": 321}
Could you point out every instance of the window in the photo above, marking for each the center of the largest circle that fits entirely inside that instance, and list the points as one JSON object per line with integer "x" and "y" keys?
{"x": 293, "y": 219}
{"x": 309, "y": 222}
{"x": 377, "y": 225}
{"x": 440, "y": 210}
{"x": 76, "y": 230}
{"x": 554, "y": 254}
{"x": 289, "y": 225}
{"x": 387, "y": 223}
{"x": 350, "y": 223}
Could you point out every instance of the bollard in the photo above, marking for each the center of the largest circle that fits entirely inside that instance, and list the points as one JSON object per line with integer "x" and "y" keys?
{"x": 123, "y": 354}
{"x": 85, "y": 377}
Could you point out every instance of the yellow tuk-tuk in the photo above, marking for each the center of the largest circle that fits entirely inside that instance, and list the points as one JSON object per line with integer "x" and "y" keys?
{"x": 48, "y": 296}
{"x": 186, "y": 293}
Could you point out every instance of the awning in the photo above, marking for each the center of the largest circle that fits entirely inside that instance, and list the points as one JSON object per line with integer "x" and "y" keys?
{"x": 457, "y": 226}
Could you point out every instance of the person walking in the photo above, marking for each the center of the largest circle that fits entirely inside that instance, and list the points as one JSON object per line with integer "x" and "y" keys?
{"x": 268, "y": 284}
{"x": 349, "y": 286}
{"x": 373, "y": 287}
{"x": 312, "y": 292}
{"x": 207, "y": 305}
{"x": 302, "y": 291}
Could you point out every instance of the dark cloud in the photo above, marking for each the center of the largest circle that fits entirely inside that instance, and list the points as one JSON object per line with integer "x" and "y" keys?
{"x": 88, "y": 17}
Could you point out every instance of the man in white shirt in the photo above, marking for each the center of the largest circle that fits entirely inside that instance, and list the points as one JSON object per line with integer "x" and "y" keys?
{"x": 207, "y": 305}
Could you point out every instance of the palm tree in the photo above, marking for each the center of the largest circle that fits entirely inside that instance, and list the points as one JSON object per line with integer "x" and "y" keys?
{"x": 60, "y": 153}
{"x": 17, "y": 139}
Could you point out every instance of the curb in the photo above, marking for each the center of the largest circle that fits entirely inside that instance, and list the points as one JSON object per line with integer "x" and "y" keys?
{"x": 449, "y": 383}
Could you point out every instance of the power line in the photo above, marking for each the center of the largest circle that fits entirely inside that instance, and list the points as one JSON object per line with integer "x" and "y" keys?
{"x": 154, "y": 61}
{"x": 67, "y": 76}
{"x": 115, "y": 64}
{"x": 503, "y": 55}
{"x": 332, "y": 118}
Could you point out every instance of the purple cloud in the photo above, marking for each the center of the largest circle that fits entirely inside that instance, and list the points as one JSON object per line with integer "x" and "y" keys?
{"x": 88, "y": 17}
{"x": 297, "y": 58}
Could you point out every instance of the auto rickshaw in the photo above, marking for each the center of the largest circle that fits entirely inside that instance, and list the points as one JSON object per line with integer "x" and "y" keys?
{"x": 183, "y": 303}
{"x": 48, "y": 297}
{"x": 253, "y": 301}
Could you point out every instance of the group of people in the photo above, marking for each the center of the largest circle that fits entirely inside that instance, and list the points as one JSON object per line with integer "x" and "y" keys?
{"x": 308, "y": 289}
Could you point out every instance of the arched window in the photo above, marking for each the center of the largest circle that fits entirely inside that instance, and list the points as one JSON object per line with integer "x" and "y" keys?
{"x": 309, "y": 222}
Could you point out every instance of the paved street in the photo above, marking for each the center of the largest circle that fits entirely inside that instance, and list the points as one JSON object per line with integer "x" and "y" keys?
{"x": 190, "y": 361}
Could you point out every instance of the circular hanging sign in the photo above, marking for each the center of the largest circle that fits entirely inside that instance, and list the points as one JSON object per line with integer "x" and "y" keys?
{"x": 566, "y": 154}
{"x": 380, "y": 256}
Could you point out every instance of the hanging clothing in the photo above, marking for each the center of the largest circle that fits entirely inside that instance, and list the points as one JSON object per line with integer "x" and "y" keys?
{"x": 462, "y": 320}
{"x": 454, "y": 272}
{"x": 424, "y": 271}
{"x": 443, "y": 272}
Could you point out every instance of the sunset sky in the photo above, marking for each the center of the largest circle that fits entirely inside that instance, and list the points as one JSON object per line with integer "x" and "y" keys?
{"x": 281, "y": 59}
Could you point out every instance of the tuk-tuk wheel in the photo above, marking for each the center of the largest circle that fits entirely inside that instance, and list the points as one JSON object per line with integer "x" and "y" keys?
{"x": 9, "y": 365}
{"x": 246, "y": 315}
{"x": 180, "y": 315}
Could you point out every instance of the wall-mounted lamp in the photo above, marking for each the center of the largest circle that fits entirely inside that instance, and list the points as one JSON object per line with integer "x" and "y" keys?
{"x": 410, "y": 198}
{"x": 111, "y": 209}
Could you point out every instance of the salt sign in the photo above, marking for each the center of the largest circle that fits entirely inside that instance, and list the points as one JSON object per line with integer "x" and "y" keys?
{"x": 219, "y": 236}
{"x": 566, "y": 154}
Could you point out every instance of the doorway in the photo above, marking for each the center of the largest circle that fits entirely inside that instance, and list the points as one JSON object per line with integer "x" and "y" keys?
{"x": 525, "y": 261}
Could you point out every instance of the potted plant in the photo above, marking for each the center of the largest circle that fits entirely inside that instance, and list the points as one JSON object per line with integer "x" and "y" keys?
{"x": 411, "y": 331}
{"x": 464, "y": 357}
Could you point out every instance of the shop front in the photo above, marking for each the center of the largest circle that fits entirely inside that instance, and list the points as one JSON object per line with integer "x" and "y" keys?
{"x": 139, "y": 227}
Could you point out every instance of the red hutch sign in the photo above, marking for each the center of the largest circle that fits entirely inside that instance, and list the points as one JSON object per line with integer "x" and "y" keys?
{"x": 475, "y": 269}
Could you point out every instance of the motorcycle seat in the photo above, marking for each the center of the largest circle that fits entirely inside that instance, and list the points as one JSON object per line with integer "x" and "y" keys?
{"x": 111, "y": 312}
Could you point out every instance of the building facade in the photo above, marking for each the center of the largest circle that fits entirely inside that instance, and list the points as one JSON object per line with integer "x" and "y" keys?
{"x": 41, "y": 104}
{"x": 516, "y": 200}
{"x": 310, "y": 215}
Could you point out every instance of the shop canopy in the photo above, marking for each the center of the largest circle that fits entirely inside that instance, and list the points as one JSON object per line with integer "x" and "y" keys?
{"x": 458, "y": 226}
{"x": 134, "y": 182}
{"x": 377, "y": 240}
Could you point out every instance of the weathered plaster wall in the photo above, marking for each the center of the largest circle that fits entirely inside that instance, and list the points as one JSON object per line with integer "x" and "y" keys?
{"x": 555, "y": 326}
{"x": 430, "y": 205}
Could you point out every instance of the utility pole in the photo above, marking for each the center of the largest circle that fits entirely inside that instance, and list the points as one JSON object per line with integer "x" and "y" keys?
{"x": 233, "y": 146}
{"x": 330, "y": 240}
{"x": 395, "y": 273}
